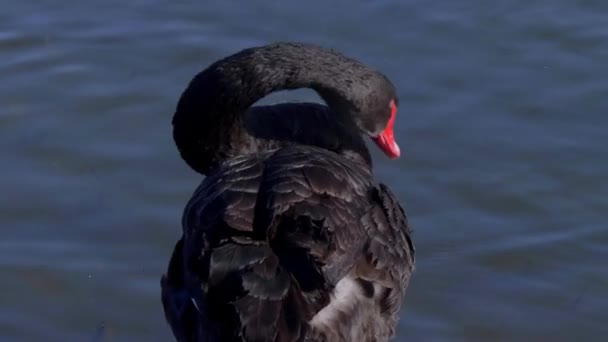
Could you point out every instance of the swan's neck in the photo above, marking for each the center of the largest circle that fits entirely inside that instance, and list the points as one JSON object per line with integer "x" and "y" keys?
{"x": 209, "y": 124}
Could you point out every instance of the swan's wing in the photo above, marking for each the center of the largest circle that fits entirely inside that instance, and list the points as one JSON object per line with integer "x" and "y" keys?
{"x": 175, "y": 297}
{"x": 389, "y": 254}
{"x": 309, "y": 208}
{"x": 216, "y": 262}
{"x": 223, "y": 283}
{"x": 225, "y": 199}
{"x": 344, "y": 240}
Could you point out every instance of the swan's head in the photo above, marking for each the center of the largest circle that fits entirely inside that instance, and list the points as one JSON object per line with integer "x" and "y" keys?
{"x": 372, "y": 105}
{"x": 376, "y": 113}
{"x": 372, "y": 102}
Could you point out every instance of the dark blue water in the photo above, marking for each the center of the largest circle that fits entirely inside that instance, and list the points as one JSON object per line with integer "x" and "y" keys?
{"x": 502, "y": 126}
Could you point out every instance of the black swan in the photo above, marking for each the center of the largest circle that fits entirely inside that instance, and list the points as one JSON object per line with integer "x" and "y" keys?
{"x": 288, "y": 238}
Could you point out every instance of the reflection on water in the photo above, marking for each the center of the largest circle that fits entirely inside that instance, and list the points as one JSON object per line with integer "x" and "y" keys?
{"x": 501, "y": 125}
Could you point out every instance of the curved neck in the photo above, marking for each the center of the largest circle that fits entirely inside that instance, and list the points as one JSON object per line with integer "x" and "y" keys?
{"x": 209, "y": 123}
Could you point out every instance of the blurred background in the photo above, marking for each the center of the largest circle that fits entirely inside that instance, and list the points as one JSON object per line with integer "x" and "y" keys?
{"x": 502, "y": 126}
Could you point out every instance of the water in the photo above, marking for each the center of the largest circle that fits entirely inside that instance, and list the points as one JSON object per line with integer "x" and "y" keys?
{"x": 502, "y": 126}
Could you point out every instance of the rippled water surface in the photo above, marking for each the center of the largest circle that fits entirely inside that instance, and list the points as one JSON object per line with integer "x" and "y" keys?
{"x": 503, "y": 127}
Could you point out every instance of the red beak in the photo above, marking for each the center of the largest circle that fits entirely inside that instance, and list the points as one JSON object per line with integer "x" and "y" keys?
{"x": 386, "y": 139}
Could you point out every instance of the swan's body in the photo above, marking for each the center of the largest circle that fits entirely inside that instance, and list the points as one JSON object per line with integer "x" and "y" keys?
{"x": 290, "y": 241}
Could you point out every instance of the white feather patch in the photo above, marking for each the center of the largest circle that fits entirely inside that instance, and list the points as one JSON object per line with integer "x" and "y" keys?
{"x": 343, "y": 299}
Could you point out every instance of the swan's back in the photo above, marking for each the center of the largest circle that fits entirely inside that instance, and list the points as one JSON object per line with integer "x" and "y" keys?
{"x": 296, "y": 244}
